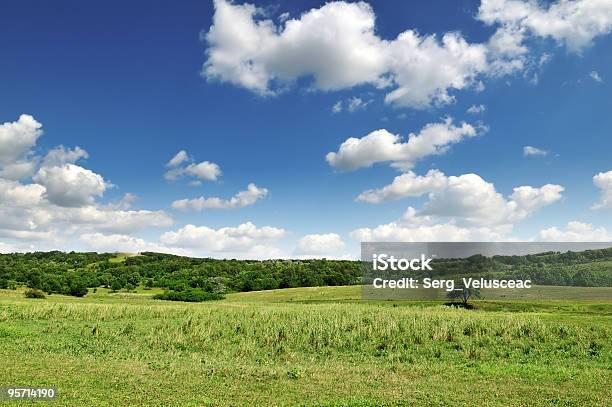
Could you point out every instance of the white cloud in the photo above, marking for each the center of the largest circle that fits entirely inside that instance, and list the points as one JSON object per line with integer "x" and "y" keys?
{"x": 603, "y": 181}
{"x": 60, "y": 201}
{"x": 245, "y": 237}
{"x": 178, "y": 159}
{"x": 18, "y": 170}
{"x": 355, "y": 103}
{"x": 320, "y": 244}
{"x": 442, "y": 232}
{"x": 243, "y": 198}
{"x": 17, "y": 138}
{"x": 467, "y": 197}
{"x": 352, "y": 104}
{"x": 70, "y": 185}
{"x": 337, "y": 46}
{"x": 337, "y": 107}
{"x": 573, "y": 23}
{"x": 507, "y": 53}
{"x": 92, "y": 218}
{"x": 425, "y": 69}
{"x": 382, "y": 146}
{"x": 534, "y": 152}
{"x": 595, "y": 76}
{"x": 406, "y": 185}
{"x": 61, "y": 155}
{"x": 476, "y": 109}
{"x": 204, "y": 170}
{"x": 124, "y": 243}
{"x": 576, "y": 232}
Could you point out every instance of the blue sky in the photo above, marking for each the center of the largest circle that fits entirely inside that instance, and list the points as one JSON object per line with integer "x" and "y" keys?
{"x": 134, "y": 83}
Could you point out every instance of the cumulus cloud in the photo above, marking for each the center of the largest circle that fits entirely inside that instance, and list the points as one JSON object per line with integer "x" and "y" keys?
{"x": 336, "y": 45}
{"x": 576, "y": 232}
{"x": 18, "y": 170}
{"x": 60, "y": 201}
{"x": 61, "y": 155}
{"x": 320, "y": 244}
{"x": 124, "y": 243}
{"x": 383, "y": 146}
{"x": 18, "y": 138}
{"x": 406, "y": 185}
{"x": 16, "y": 142}
{"x": 603, "y": 181}
{"x": 572, "y": 23}
{"x": 245, "y": 237}
{"x": 530, "y": 151}
{"x": 411, "y": 229}
{"x": 468, "y": 197}
{"x": 70, "y": 185}
{"x": 250, "y": 196}
{"x": 205, "y": 170}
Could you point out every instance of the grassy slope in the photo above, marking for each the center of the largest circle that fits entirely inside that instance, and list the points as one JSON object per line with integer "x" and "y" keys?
{"x": 268, "y": 348}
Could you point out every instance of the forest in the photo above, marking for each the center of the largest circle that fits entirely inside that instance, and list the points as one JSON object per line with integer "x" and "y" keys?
{"x": 74, "y": 273}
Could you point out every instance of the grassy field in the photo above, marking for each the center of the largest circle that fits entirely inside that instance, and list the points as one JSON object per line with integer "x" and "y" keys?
{"x": 308, "y": 346}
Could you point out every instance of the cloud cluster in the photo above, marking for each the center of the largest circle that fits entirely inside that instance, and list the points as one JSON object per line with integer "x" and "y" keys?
{"x": 576, "y": 232}
{"x": 573, "y": 23}
{"x": 383, "y": 146}
{"x": 56, "y": 199}
{"x": 320, "y": 244}
{"x": 467, "y": 197}
{"x": 337, "y": 46}
{"x": 250, "y": 196}
{"x": 413, "y": 228}
{"x": 246, "y": 238}
{"x": 55, "y": 205}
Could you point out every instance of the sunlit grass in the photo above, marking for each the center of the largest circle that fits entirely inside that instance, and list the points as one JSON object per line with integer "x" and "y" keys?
{"x": 106, "y": 349}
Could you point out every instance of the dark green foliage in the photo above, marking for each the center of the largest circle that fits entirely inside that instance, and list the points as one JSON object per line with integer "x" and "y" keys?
{"x": 34, "y": 293}
{"x": 464, "y": 293}
{"x": 72, "y": 273}
{"x": 190, "y": 295}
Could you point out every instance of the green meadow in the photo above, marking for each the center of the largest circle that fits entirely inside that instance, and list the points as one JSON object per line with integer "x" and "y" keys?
{"x": 309, "y": 346}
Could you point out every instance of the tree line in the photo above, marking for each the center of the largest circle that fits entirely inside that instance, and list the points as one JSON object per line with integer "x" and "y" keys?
{"x": 74, "y": 273}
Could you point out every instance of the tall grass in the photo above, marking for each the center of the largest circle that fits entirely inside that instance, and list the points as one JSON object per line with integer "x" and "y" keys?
{"x": 102, "y": 352}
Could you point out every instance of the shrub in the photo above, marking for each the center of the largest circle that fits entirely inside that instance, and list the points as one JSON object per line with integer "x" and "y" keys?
{"x": 77, "y": 289}
{"x": 191, "y": 295}
{"x": 34, "y": 293}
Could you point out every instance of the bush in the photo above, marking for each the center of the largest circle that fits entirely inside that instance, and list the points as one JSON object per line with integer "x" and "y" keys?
{"x": 34, "y": 293}
{"x": 192, "y": 295}
{"x": 77, "y": 289}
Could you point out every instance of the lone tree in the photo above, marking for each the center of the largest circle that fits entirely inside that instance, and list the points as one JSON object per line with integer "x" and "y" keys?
{"x": 464, "y": 293}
